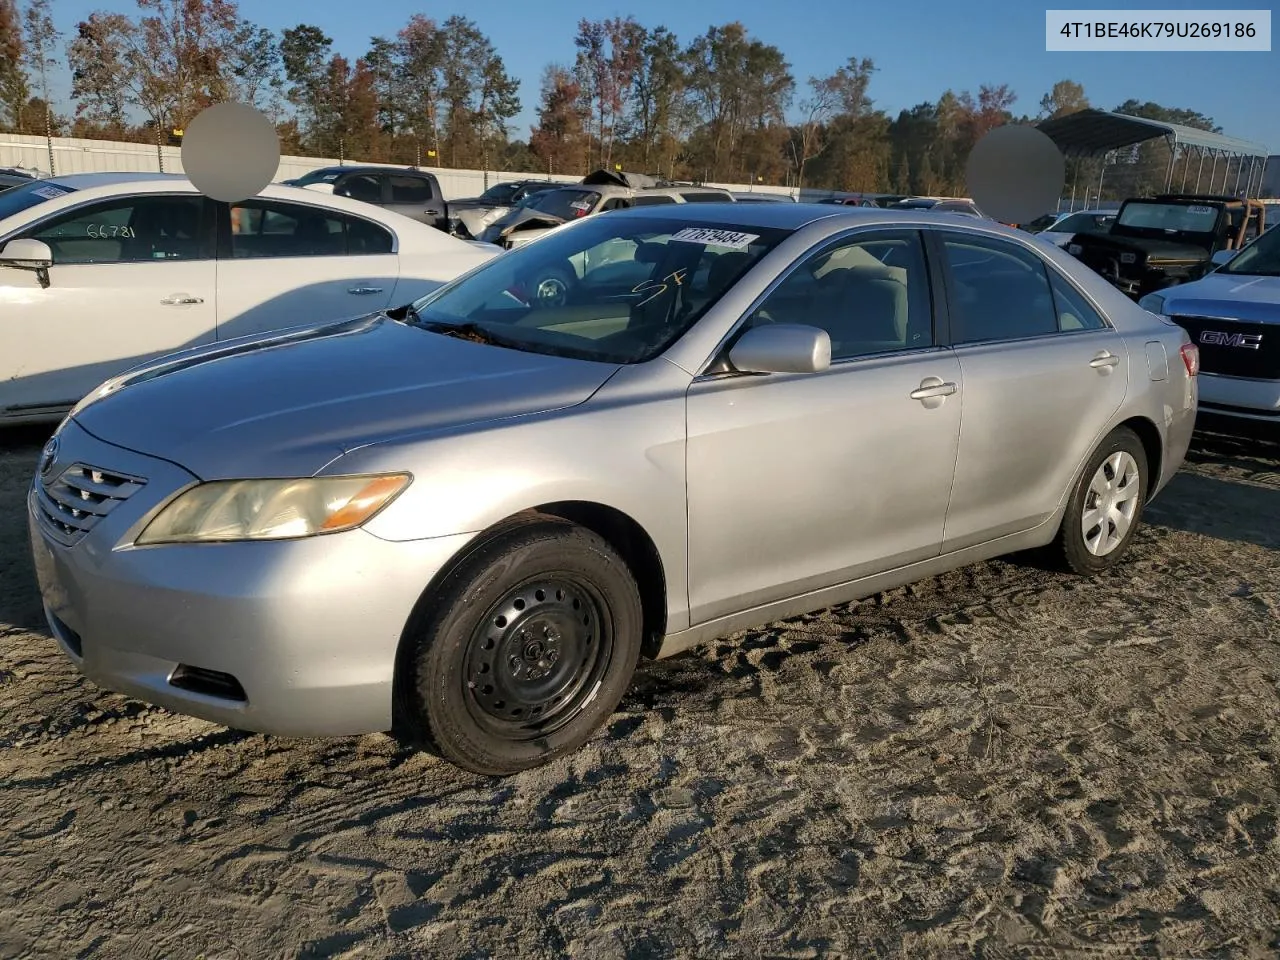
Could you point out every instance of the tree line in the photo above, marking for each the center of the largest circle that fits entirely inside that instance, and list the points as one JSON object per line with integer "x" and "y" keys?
{"x": 723, "y": 106}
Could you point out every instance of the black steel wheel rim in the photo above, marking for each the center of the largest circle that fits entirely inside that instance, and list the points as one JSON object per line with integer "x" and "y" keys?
{"x": 537, "y": 658}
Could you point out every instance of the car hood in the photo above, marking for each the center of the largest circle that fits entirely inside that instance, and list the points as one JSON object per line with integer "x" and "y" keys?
{"x": 1226, "y": 296}
{"x": 288, "y": 404}
{"x": 522, "y": 217}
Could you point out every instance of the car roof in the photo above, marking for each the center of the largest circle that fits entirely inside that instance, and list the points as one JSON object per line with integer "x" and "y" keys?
{"x": 784, "y": 216}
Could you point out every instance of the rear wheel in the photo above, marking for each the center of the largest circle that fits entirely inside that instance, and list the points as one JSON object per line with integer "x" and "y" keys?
{"x": 1106, "y": 506}
{"x": 527, "y": 649}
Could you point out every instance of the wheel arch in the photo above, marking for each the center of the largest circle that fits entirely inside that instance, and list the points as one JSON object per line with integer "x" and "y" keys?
{"x": 1152, "y": 446}
{"x": 622, "y": 532}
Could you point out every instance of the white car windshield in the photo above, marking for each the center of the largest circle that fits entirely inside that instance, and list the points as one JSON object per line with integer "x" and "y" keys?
{"x": 614, "y": 289}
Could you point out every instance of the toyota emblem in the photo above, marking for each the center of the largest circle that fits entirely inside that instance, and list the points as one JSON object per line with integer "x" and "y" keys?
{"x": 48, "y": 457}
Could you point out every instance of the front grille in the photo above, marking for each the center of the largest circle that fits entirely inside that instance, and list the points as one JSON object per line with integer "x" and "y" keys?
{"x": 73, "y": 502}
{"x": 1235, "y": 348}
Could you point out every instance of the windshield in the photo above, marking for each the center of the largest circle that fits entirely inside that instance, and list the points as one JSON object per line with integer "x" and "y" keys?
{"x": 318, "y": 176}
{"x": 915, "y": 204}
{"x": 1086, "y": 223}
{"x": 616, "y": 289}
{"x": 1260, "y": 259}
{"x": 565, "y": 204}
{"x": 28, "y": 195}
{"x": 1169, "y": 217}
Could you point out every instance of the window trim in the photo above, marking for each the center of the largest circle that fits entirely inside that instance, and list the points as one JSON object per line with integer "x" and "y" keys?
{"x": 224, "y": 229}
{"x": 208, "y": 223}
{"x": 938, "y": 305}
{"x": 941, "y": 234}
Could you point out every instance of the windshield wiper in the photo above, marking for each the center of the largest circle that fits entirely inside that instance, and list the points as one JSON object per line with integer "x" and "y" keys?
{"x": 464, "y": 330}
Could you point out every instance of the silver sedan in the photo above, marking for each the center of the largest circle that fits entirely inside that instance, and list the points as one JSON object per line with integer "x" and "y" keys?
{"x": 469, "y": 518}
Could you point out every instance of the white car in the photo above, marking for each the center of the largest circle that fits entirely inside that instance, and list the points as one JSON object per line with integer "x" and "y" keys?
{"x": 1060, "y": 232}
{"x": 100, "y": 272}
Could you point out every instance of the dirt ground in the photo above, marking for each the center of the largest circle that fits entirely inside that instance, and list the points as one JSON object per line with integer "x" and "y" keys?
{"x": 999, "y": 763}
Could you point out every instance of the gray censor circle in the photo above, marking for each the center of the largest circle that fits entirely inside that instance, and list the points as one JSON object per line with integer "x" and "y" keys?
{"x": 230, "y": 152}
{"x": 1015, "y": 173}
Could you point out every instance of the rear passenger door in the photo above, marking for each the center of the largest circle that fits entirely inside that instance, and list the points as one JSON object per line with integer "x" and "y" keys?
{"x": 1043, "y": 373}
{"x": 284, "y": 264}
{"x": 416, "y": 197}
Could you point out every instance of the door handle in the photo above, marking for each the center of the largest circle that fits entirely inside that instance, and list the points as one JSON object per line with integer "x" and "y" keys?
{"x": 1103, "y": 360}
{"x": 180, "y": 299}
{"x": 931, "y": 388}
{"x": 363, "y": 290}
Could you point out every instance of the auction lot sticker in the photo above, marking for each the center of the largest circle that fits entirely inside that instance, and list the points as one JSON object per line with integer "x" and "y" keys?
{"x": 716, "y": 238}
{"x": 1136, "y": 31}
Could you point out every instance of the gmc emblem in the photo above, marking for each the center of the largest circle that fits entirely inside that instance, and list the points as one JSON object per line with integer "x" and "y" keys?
{"x": 1245, "y": 341}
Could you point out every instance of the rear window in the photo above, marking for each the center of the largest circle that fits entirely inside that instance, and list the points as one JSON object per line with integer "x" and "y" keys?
{"x": 29, "y": 195}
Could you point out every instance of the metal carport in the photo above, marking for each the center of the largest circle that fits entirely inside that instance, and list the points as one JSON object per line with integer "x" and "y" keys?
{"x": 1094, "y": 133}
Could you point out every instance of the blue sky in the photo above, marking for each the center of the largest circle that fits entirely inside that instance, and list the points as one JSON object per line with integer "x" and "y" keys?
{"x": 920, "y": 47}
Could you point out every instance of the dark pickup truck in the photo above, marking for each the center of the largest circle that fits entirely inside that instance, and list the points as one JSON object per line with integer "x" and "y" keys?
{"x": 1161, "y": 241}
{"x": 405, "y": 190}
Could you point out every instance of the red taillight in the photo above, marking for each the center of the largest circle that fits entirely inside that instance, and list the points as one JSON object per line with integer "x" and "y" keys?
{"x": 1191, "y": 358}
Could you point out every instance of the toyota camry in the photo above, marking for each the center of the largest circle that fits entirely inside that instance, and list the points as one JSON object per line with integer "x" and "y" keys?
{"x": 468, "y": 520}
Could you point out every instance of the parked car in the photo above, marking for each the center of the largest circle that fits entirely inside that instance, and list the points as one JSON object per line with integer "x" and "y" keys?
{"x": 599, "y": 192}
{"x": 849, "y": 201}
{"x": 468, "y": 218}
{"x": 16, "y": 177}
{"x": 1069, "y": 225}
{"x": 468, "y": 519}
{"x": 408, "y": 191}
{"x": 751, "y": 196}
{"x": 99, "y": 272}
{"x": 939, "y": 205}
{"x": 1169, "y": 239}
{"x": 1233, "y": 315}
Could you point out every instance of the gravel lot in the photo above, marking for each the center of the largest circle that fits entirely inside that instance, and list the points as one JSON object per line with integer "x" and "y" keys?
{"x": 1000, "y": 762}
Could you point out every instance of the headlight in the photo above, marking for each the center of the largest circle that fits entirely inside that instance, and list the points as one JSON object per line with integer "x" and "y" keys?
{"x": 228, "y": 510}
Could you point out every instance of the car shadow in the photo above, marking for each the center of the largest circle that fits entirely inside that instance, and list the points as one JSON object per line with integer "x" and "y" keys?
{"x": 262, "y": 319}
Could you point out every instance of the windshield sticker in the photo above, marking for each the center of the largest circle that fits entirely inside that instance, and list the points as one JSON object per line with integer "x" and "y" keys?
{"x": 1202, "y": 210}
{"x": 50, "y": 193}
{"x": 716, "y": 238}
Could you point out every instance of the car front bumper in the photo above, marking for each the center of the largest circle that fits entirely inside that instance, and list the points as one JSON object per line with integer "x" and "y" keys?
{"x": 308, "y": 629}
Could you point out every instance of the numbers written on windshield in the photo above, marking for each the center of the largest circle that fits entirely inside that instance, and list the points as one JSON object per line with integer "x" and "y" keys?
{"x": 108, "y": 231}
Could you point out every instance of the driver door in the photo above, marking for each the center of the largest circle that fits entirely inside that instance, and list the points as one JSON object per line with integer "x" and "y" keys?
{"x": 133, "y": 278}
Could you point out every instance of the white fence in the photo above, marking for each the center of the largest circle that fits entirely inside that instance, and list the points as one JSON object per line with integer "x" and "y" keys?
{"x": 71, "y": 155}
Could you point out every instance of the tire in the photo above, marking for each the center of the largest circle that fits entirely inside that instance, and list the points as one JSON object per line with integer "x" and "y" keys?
{"x": 526, "y": 649}
{"x": 1102, "y": 547}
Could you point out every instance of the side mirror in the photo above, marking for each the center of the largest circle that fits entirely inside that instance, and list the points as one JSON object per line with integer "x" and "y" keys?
{"x": 28, "y": 255}
{"x": 1224, "y": 256}
{"x": 782, "y": 348}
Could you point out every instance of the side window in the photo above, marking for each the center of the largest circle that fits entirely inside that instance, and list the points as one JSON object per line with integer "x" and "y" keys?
{"x": 703, "y": 197}
{"x": 870, "y": 293}
{"x": 268, "y": 228}
{"x": 616, "y": 203}
{"x": 361, "y": 186}
{"x": 648, "y": 200}
{"x": 998, "y": 291}
{"x": 410, "y": 189}
{"x": 127, "y": 230}
{"x": 1074, "y": 311}
{"x": 364, "y": 237}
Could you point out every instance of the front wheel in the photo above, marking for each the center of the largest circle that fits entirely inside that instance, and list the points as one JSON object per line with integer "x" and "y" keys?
{"x": 1106, "y": 506}
{"x": 527, "y": 649}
